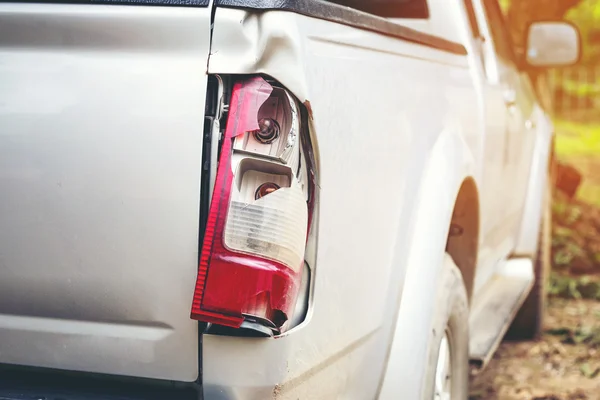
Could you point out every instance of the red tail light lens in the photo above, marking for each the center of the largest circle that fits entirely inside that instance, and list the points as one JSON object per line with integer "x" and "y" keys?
{"x": 253, "y": 250}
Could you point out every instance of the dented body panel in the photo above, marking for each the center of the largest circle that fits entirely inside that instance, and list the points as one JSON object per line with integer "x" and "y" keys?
{"x": 366, "y": 245}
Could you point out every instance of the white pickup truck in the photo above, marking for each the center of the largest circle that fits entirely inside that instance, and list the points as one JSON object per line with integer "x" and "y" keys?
{"x": 276, "y": 199}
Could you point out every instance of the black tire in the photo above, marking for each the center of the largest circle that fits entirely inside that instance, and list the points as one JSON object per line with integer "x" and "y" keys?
{"x": 451, "y": 317}
{"x": 529, "y": 322}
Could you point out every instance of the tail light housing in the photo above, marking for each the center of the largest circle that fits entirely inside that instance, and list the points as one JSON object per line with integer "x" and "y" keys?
{"x": 252, "y": 254}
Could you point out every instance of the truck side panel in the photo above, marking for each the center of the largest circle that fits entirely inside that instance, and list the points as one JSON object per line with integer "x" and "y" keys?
{"x": 379, "y": 106}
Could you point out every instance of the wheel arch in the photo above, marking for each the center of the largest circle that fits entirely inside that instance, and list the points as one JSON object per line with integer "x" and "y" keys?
{"x": 463, "y": 234}
{"x": 448, "y": 186}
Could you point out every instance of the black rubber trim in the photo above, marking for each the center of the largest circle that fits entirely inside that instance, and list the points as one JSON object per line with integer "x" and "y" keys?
{"x": 27, "y": 383}
{"x": 172, "y": 3}
{"x": 348, "y": 16}
{"x": 417, "y": 9}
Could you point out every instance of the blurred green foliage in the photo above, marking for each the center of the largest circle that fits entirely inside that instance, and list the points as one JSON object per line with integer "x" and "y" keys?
{"x": 578, "y": 144}
{"x": 577, "y": 139}
{"x": 581, "y": 88}
{"x": 572, "y": 287}
{"x": 578, "y": 130}
{"x": 586, "y": 15}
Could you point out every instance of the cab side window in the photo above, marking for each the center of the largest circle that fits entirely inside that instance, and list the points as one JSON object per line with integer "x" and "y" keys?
{"x": 389, "y": 8}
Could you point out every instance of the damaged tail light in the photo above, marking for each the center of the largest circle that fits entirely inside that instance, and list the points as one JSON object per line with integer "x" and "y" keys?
{"x": 253, "y": 250}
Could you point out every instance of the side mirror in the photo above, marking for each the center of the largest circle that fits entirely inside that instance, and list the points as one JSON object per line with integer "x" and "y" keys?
{"x": 552, "y": 44}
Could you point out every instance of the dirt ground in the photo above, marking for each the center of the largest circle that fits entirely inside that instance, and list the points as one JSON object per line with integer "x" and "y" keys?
{"x": 563, "y": 365}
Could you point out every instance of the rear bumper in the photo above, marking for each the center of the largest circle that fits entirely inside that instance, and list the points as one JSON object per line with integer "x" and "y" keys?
{"x": 18, "y": 383}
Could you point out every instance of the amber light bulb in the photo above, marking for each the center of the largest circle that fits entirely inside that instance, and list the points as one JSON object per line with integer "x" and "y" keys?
{"x": 265, "y": 189}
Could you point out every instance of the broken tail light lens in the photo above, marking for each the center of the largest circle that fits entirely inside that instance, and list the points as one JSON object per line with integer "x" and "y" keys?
{"x": 253, "y": 250}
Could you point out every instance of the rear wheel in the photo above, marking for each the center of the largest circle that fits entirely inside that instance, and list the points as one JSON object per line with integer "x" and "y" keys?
{"x": 448, "y": 364}
{"x": 528, "y": 323}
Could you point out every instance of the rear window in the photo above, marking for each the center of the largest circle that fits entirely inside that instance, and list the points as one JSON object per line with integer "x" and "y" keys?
{"x": 389, "y": 8}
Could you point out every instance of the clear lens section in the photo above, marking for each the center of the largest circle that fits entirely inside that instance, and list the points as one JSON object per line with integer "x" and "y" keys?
{"x": 280, "y": 108}
{"x": 273, "y": 226}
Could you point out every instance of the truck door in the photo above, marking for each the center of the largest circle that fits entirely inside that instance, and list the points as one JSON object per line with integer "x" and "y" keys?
{"x": 518, "y": 97}
{"x": 501, "y": 114}
{"x": 521, "y": 136}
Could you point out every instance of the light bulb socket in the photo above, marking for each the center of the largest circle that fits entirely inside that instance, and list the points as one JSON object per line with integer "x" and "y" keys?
{"x": 268, "y": 130}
